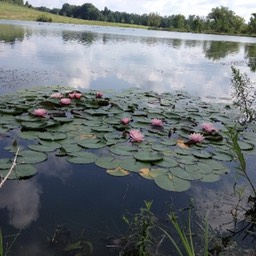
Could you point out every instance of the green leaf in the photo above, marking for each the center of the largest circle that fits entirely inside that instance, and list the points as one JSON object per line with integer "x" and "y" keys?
{"x": 82, "y": 158}
{"x": 148, "y": 156}
{"x": 171, "y": 183}
{"x": 31, "y": 157}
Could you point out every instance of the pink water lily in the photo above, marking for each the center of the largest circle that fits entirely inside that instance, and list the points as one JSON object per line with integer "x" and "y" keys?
{"x": 196, "y": 137}
{"x": 208, "y": 127}
{"x": 136, "y": 136}
{"x": 99, "y": 94}
{"x": 75, "y": 95}
{"x": 40, "y": 112}
{"x": 65, "y": 101}
{"x": 56, "y": 95}
{"x": 125, "y": 120}
{"x": 156, "y": 122}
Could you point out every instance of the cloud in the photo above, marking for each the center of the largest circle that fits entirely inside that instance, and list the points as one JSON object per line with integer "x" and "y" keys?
{"x": 22, "y": 200}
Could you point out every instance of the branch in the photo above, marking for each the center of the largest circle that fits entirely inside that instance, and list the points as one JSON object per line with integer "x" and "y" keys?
{"x": 12, "y": 167}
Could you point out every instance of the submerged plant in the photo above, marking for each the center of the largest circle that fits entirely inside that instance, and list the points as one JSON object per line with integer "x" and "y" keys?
{"x": 243, "y": 95}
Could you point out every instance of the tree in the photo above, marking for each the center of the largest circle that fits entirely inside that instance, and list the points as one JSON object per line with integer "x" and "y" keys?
{"x": 179, "y": 21}
{"x": 154, "y": 20}
{"x": 252, "y": 23}
{"x": 224, "y": 20}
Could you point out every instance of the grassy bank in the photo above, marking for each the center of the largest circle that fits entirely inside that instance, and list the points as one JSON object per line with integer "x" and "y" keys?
{"x": 15, "y": 12}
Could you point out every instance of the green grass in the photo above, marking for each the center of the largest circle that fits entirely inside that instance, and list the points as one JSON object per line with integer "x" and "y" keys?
{"x": 15, "y": 12}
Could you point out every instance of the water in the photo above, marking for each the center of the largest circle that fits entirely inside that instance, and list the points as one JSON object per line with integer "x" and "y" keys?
{"x": 85, "y": 197}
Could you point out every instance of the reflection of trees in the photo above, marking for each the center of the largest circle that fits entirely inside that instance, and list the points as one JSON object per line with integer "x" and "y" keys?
{"x": 81, "y": 37}
{"x": 250, "y": 54}
{"x": 216, "y": 50}
{"x": 11, "y": 33}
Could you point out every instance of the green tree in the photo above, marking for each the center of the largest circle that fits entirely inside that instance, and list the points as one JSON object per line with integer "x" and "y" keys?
{"x": 252, "y": 23}
{"x": 223, "y": 20}
{"x": 154, "y": 20}
{"x": 179, "y": 21}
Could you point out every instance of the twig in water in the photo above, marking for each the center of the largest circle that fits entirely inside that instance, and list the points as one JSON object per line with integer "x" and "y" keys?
{"x": 11, "y": 169}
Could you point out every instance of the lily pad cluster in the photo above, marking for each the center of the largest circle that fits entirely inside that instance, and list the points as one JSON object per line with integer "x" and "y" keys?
{"x": 89, "y": 129}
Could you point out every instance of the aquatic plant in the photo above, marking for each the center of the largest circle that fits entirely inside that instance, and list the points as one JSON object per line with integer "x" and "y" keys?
{"x": 40, "y": 112}
{"x": 243, "y": 95}
{"x": 136, "y": 136}
{"x": 196, "y": 137}
{"x": 125, "y": 120}
{"x": 208, "y": 127}
{"x": 99, "y": 95}
{"x": 167, "y": 156}
{"x": 157, "y": 122}
{"x": 140, "y": 236}
{"x": 65, "y": 101}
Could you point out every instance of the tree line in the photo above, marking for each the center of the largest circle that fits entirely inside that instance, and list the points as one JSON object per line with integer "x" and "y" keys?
{"x": 220, "y": 20}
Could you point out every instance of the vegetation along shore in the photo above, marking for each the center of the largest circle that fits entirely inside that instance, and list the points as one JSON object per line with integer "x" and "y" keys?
{"x": 221, "y": 20}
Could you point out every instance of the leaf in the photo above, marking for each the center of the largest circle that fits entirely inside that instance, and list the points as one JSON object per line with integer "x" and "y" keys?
{"x": 31, "y": 157}
{"x": 82, "y": 157}
{"x": 172, "y": 183}
{"x": 148, "y": 156}
{"x": 118, "y": 172}
{"x": 145, "y": 173}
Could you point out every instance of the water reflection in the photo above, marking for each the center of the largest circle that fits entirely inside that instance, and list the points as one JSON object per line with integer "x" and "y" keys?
{"x": 120, "y": 58}
{"x": 220, "y": 50}
{"x": 22, "y": 200}
{"x": 10, "y": 34}
{"x": 250, "y": 54}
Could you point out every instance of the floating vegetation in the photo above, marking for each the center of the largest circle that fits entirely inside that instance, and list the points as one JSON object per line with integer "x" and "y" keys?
{"x": 171, "y": 138}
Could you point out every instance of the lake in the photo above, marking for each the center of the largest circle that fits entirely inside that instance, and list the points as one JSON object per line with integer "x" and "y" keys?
{"x": 83, "y": 197}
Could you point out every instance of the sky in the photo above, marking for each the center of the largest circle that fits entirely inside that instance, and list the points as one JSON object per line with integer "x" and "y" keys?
{"x": 243, "y": 8}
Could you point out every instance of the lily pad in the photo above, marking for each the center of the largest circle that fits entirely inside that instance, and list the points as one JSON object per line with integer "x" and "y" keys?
{"x": 148, "y": 156}
{"x": 82, "y": 157}
{"x": 118, "y": 172}
{"x": 31, "y": 157}
{"x": 171, "y": 183}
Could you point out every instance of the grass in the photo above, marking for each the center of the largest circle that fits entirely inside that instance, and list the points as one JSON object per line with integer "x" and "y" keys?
{"x": 16, "y": 12}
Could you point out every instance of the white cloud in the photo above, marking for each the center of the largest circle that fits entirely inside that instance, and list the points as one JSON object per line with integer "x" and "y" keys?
{"x": 243, "y": 8}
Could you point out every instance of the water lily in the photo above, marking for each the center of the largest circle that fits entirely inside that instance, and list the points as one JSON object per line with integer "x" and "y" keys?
{"x": 125, "y": 120}
{"x": 56, "y": 95}
{"x": 65, "y": 101}
{"x": 40, "y": 112}
{"x": 136, "y": 136}
{"x": 208, "y": 127}
{"x": 75, "y": 95}
{"x": 196, "y": 137}
{"x": 156, "y": 122}
{"x": 99, "y": 94}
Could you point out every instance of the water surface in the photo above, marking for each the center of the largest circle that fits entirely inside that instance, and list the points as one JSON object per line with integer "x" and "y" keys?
{"x": 85, "y": 197}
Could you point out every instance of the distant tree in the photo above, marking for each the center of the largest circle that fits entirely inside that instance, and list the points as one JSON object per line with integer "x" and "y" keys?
{"x": 223, "y": 20}
{"x": 89, "y": 12}
{"x": 179, "y": 21}
{"x": 252, "y": 23}
{"x": 19, "y": 2}
{"x": 154, "y": 20}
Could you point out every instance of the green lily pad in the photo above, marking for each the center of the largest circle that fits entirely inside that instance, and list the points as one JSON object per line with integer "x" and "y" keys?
{"x": 82, "y": 157}
{"x": 123, "y": 150}
{"x": 43, "y": 148}
{"x": 31, "y": 157}
{"x": 148, "y": 156}
{"x": 21, "y": 171}
{"x": 171, "y": 183}
{"x": 107, "y": 162}
{"x": 52, "y": 136}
